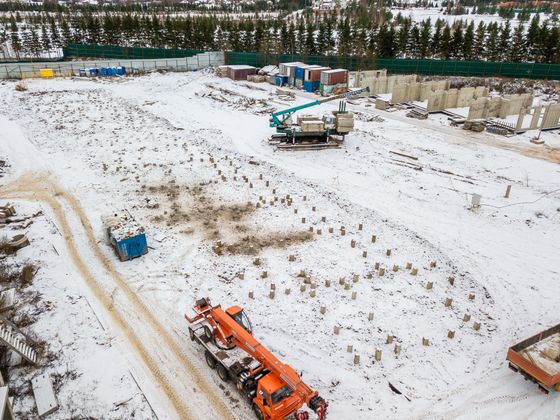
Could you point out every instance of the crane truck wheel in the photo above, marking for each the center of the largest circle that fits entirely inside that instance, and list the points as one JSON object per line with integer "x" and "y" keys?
{"x": 223, "y": 373}
{"x": 191, "y": 334}
{"x": 258, "y": 412}
{"x": 209, "y": 332}
{"x": 210, "y": 361}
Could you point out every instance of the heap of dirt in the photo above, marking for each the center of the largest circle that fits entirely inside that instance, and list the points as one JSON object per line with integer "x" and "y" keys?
{"x": 193, "y": 209}
{"x": 254, "y": 244}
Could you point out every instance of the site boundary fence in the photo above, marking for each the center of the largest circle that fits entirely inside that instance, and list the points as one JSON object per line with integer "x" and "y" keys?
{"x": 114, "y": 51}
{"x": 403, "y": 65}
{"x": 138, "y": 66}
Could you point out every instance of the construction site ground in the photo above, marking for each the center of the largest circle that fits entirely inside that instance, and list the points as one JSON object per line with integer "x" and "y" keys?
{"x": 188, "y": 155}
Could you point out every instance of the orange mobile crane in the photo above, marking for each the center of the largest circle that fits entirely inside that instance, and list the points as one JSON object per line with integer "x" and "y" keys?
{"x": 274, "y": 389}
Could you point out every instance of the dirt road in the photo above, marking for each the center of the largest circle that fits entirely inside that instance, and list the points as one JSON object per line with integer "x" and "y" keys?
{"x": 176, "y": 380}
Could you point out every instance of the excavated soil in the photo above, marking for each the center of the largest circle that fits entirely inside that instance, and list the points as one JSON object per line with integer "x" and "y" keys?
{"x": 193, "y": 209}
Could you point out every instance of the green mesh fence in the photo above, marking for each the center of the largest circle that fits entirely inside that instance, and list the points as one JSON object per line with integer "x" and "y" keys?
{"x": 112, "y": 51}
{"x": 399, "y": 65}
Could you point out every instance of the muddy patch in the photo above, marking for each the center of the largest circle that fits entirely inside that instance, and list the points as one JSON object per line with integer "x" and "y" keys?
{"x": 192, "y": 209}
{"x": 254, "y": 244}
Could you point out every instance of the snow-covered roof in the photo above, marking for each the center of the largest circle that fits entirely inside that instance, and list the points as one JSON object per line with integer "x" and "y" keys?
{"x": 241, "y": 67}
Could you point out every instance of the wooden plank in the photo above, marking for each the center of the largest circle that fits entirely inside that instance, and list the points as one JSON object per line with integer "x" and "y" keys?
{"x": 403, "y": 155}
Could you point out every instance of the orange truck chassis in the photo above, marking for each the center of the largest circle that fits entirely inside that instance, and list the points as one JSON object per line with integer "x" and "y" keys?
{"x": 522, "y": 362}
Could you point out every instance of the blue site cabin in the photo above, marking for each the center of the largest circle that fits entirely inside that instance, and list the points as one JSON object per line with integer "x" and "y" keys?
{"x": 126, "y": 236}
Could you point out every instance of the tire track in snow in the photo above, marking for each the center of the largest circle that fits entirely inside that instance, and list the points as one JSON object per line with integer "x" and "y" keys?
{"x": 40, "y": 188}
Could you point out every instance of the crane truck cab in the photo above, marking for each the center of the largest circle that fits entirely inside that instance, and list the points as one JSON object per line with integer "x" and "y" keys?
{"x": 276, "y": 400}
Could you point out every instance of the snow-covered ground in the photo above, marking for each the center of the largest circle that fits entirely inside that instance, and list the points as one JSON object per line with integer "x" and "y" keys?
{"x": 159, "y": 145}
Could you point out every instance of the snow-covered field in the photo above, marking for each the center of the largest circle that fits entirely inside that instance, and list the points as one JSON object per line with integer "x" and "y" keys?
{"x": 159, "y": 145}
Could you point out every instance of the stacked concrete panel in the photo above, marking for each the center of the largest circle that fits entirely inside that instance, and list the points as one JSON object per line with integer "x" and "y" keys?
{"x": 478, "y": 109}
{"x": 436, "y": 101}
{"x": 465, "y": 97}
{"x": 451, "y": 98}
{"x": 536, "y": 117}
{"x": 413, "y": 91}
{"x": 400, "y": 94}
{"x": 494, "y": 105}
{"x": 551, "y": 116}
{"x": 480, "y": 92}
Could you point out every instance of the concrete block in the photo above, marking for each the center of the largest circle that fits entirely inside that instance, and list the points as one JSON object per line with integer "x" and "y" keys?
{"x": 494, "y": 105}
{"x": 436, "y": 101}
{"x": 465, "y": 97}
{"x": 399, "y": 94}
{"x": 478, "y": 109}
{"x": 381, "y": 104}
{"x": 536, "y": 117}
{"x": 451, "y": 98}
{"x": 480, "y": 92}
{"x": 520, "y": 119}
{"x": 551, "y": 116}
{"x": 44, "y": 395}
{"x": 413, "y": 91}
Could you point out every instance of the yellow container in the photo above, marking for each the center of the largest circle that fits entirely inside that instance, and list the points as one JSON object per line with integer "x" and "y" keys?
{"x": 46, "y": 72}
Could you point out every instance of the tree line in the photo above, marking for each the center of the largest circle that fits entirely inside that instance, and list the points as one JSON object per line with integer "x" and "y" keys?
{"x": 308, "y": 34}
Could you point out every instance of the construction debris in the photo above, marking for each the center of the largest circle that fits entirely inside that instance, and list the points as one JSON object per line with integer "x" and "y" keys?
{"x": 44, "y": 395}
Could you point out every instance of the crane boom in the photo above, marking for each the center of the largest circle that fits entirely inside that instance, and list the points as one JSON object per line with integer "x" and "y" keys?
{"x": 276, "y": 121}
{"x": 230, "y": 329}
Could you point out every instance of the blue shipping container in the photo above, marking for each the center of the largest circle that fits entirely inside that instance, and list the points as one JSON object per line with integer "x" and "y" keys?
{"x": 310, "y": 86}
{"x": 300, "y": 72}
{"x": 131, "y": 247}
{"x": 281, "y": 80}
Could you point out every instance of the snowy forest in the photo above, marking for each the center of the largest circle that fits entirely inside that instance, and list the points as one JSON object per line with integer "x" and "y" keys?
{"x": 358, "y": 30}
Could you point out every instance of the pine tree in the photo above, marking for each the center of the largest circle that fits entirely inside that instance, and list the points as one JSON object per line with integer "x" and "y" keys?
{"x": 55, "y": 37}
{"x": 413, "y": 42}
{"x": 402, "y": 37}
{"x": 492, "y": 43}
{"x": 321, "y": 39}
{"x": 456, "y": 46}
{"x": 424, "y": 45}
{"x": 468, "y": 43}
{"x": 15, "y": 41}
{"x": 518, "y": 50}
{"x": 310, "y": 46}
{"x": 66, "y": 34}
{"x": 505, "y": 38}
{"x": 533, "y": 35}
{"x": 45, "y": 40}
{"x": 479, "y": 42}
{"x": 436, "y": 39}
{"x": 445, "y": 43}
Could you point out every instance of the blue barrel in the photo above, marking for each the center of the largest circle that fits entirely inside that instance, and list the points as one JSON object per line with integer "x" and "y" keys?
{"x": 94, "y": 72}
{"x": 103, "y": 71}
{"x": 111, "y": 71}
{"x": 121, "y": 71}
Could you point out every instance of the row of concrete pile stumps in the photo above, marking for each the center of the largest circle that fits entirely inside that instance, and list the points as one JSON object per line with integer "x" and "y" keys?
{"x": 288, "y": 200}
